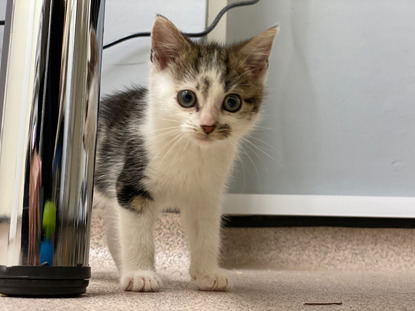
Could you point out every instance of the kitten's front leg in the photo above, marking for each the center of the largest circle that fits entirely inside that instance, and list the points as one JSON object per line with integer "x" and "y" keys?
{"x": 137, "y": 248}
{"x": 202, "y": 225}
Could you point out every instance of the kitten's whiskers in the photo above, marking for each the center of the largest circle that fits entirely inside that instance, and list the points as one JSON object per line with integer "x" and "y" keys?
{"x": 253, "y": 163}
{"x": 175, "y": 141}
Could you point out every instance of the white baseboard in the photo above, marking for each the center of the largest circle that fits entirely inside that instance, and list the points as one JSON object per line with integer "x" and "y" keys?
{"x": 319, "y": 205}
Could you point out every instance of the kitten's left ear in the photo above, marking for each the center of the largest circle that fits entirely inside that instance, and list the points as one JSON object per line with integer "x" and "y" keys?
{"x": 167, "y": 43}
{"x": 257, "y": 51}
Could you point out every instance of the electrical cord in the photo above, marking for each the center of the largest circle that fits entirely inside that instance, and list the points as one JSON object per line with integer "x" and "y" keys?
{"x": 190, "y": 35}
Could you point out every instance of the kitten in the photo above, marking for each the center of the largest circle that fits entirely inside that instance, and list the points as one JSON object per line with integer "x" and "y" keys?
{"x": 173, "y": 145}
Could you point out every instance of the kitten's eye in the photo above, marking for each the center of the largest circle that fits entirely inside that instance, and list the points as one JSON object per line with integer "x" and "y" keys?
{"x": 232, "y": 103}
{"x": 186, "y": 99}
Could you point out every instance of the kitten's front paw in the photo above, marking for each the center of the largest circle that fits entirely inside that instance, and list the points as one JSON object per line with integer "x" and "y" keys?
{"x": 141, "y": 281}
{"x": 216, "y": 280}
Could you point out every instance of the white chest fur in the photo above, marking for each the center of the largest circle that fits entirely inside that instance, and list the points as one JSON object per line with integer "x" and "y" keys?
{"x": 183, "y": 171}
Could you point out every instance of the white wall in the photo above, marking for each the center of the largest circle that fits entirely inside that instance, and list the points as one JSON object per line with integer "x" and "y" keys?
{"x": 339, "y": 118}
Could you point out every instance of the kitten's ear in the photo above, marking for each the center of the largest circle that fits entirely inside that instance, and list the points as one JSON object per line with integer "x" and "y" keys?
{"x": 167, "y": 42}
{"x": 257, "y": 50}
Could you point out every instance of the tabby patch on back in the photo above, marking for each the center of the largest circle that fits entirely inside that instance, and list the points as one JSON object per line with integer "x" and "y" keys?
{"x": 173, "y": 145}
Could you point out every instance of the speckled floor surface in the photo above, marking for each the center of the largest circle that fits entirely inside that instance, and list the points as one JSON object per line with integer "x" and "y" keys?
{"x": 271, "y": 269}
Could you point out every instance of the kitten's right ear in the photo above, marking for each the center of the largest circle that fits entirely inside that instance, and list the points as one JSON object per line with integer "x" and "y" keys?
{"x": 167, "y": 42}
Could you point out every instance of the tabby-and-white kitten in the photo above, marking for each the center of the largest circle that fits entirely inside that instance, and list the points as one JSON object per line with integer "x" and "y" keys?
{"x": 173, "y": 146}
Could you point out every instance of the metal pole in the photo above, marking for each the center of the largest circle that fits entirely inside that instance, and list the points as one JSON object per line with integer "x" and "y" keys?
{"x": 49, "y": 93}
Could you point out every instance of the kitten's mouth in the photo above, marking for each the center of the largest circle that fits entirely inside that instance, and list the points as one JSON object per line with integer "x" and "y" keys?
{"x": 205, "y": 139}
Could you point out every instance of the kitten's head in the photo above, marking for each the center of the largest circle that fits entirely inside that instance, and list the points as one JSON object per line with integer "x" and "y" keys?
{"x": 206, "y": 92}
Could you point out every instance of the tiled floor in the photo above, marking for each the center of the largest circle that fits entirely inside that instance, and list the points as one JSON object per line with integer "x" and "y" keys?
{"x": 271, "y": 268}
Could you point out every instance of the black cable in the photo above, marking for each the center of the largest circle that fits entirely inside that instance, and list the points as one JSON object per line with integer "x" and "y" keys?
{"x": 2, "y": 23}
{"x": 190, "y": 35}
{"x": 132, "y": 36}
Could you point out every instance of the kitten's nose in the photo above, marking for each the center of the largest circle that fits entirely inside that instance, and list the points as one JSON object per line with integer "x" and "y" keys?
{"x": 208, "y": 128}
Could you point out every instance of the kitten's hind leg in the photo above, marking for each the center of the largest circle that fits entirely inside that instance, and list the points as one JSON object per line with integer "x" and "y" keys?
{"x": 112, "y": 231}
{"x": 137, "y": 246}
{"x": 109, "y": 209}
